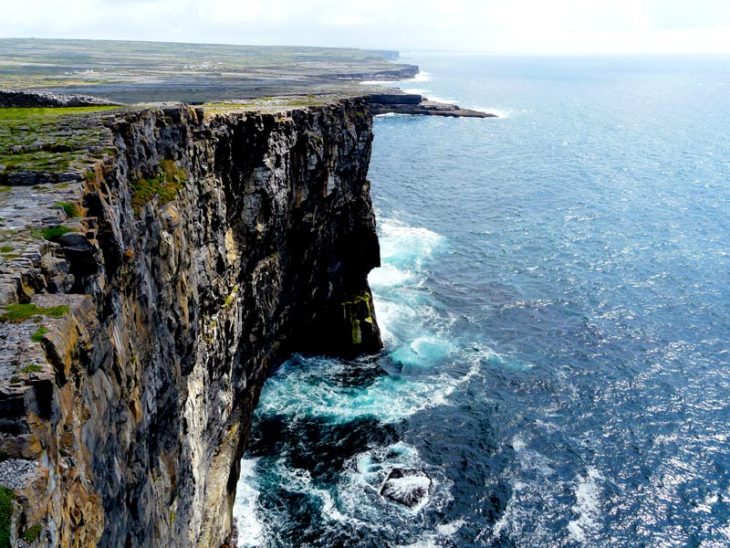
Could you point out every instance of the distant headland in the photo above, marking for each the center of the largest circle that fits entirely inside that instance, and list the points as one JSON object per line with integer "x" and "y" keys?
{"x": 40, "y": 72}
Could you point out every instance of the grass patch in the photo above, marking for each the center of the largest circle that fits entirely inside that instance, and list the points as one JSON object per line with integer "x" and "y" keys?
{"x": 39, "y": 334}
{"x": 32, "y": 368}
{"x": 53, "y": 233}
{"x": 6, "y": 515}
{"x": 5, "y": 188}
{"x": 269, "y": 104}
{"x": 31, "y": 534}
{"x": 48, "y": 140}
{"x": 72, "y": 210}
{"x": 165, "y": 185}
{"x": 16, "y": 313}
{"x": 30, "y": 114}
{"x": 6, "y": 249}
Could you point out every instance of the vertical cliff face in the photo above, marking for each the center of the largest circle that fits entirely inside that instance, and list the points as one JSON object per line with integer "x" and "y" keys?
{"x": 212, "y": 247}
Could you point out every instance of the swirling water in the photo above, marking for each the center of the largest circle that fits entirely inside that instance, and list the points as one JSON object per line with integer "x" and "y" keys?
{"x": 554, "y": 299}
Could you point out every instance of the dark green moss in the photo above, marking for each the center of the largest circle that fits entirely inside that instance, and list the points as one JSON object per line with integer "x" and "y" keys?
{"x": 72, "y": 210}
{"x": 52, "y": 233}
{"x": 31, "y": 534}
{"x": 28, "y": 115}
{"x": 165, "y": 185}
{"x": 6, "y": 515}
{"x": 39, "y": 334}
{"x": 7, "y": 249}
{"x": 16, "y": 313}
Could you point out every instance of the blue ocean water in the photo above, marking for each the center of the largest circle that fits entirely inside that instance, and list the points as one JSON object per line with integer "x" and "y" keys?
{"x": 554, "y": 298}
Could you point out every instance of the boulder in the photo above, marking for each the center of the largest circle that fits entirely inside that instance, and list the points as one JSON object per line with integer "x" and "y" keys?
{"x": 407, "y": 487}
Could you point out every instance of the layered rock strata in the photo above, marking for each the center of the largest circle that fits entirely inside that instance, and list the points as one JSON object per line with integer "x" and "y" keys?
{"x": 145, "y": 300}
{"x": 411, "y": 103}
{"x": 23, "y": 98}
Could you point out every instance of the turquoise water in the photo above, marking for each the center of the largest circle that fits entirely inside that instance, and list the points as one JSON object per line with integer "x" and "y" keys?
{"x": 554, "y": 299}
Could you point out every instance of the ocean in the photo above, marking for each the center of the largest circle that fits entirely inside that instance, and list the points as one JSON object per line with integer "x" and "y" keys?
{"x": 555, "y": 302}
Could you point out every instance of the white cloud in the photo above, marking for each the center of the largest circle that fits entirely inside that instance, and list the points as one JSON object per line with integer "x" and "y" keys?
{"x": 505, "y": 26}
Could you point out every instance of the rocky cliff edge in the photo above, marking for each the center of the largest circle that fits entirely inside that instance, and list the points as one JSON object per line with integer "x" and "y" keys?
{"x": 155, "y": 265}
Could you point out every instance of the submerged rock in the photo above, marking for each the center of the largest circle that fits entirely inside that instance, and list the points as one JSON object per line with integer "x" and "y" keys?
{"x": 406, "y": 487}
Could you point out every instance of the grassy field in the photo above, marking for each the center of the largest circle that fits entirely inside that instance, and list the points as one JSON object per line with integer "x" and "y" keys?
{"x": 149, "y": 71}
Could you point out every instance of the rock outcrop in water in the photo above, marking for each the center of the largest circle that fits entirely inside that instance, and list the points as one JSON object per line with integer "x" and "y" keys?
{"x": 145, "y": 300}
{"x": 410, "y": 103}
{"x": 409, "y": 488}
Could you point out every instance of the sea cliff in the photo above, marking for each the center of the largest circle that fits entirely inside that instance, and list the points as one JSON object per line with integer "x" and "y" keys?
{"x": 148, "y": 285}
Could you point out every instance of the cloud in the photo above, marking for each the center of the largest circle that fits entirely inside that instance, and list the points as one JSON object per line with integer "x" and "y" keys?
{"x": 502, "y": 26}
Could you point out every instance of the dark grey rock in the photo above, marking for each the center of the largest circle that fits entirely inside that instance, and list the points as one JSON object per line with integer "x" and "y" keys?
{"x": 407, "y": 487}
{"x": 25, "y": 98}
{"x": 170, "y": 311}
{"x": 403, "y": 103}
{"x": 17, "y": 473}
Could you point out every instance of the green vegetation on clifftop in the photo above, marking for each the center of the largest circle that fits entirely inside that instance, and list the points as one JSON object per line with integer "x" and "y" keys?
{"x": 49, "y": 139}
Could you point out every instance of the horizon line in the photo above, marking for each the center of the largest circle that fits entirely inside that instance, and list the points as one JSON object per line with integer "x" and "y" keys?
{"x": 400, "y": 51}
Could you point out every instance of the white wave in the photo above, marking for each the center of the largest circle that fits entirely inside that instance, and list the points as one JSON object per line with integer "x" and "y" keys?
{"x": 415, "y": 91}
{"x": 388, "y": 314}
{"x": 307, "y": 387}
{"x": 450, "y": 529}
{"x": 355, "y": 498}
{"x": 499, "y": 112}
{"x": 437, "y": 99}
{"x": 530, "y": 459}
{"x": 429, "y": 541}
{"x": 389, "y": 275}
{"x": 245, "y": 507}
{"x": 401, "y": 243}
{"x": 422, "y": 76}
{"x": 506, "y": 522}
{"x": 307, "y": 391}
{"x": 587, "y": 506}
{"x": 423, "y": 352}
{"x": 366, "y": 472}
{"x": 439, "y": 537}
{"x": 401, "y": 309}
{"x": 372, "y": 83}
{"x": 403, "y": 315}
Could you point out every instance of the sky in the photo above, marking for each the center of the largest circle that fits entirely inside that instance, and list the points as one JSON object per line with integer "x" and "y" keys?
{"x": 491, "y": 26}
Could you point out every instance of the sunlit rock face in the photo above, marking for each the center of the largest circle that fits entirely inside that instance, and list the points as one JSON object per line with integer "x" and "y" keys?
{"x": 209, "y": 248}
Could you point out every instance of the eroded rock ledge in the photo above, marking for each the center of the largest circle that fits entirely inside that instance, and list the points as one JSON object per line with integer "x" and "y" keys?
{"x": 145, "y": 296}
{"x": 410, "y": 103}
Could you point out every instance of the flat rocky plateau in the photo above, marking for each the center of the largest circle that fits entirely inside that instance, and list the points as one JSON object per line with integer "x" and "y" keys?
{"x": 135, "y": 72}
